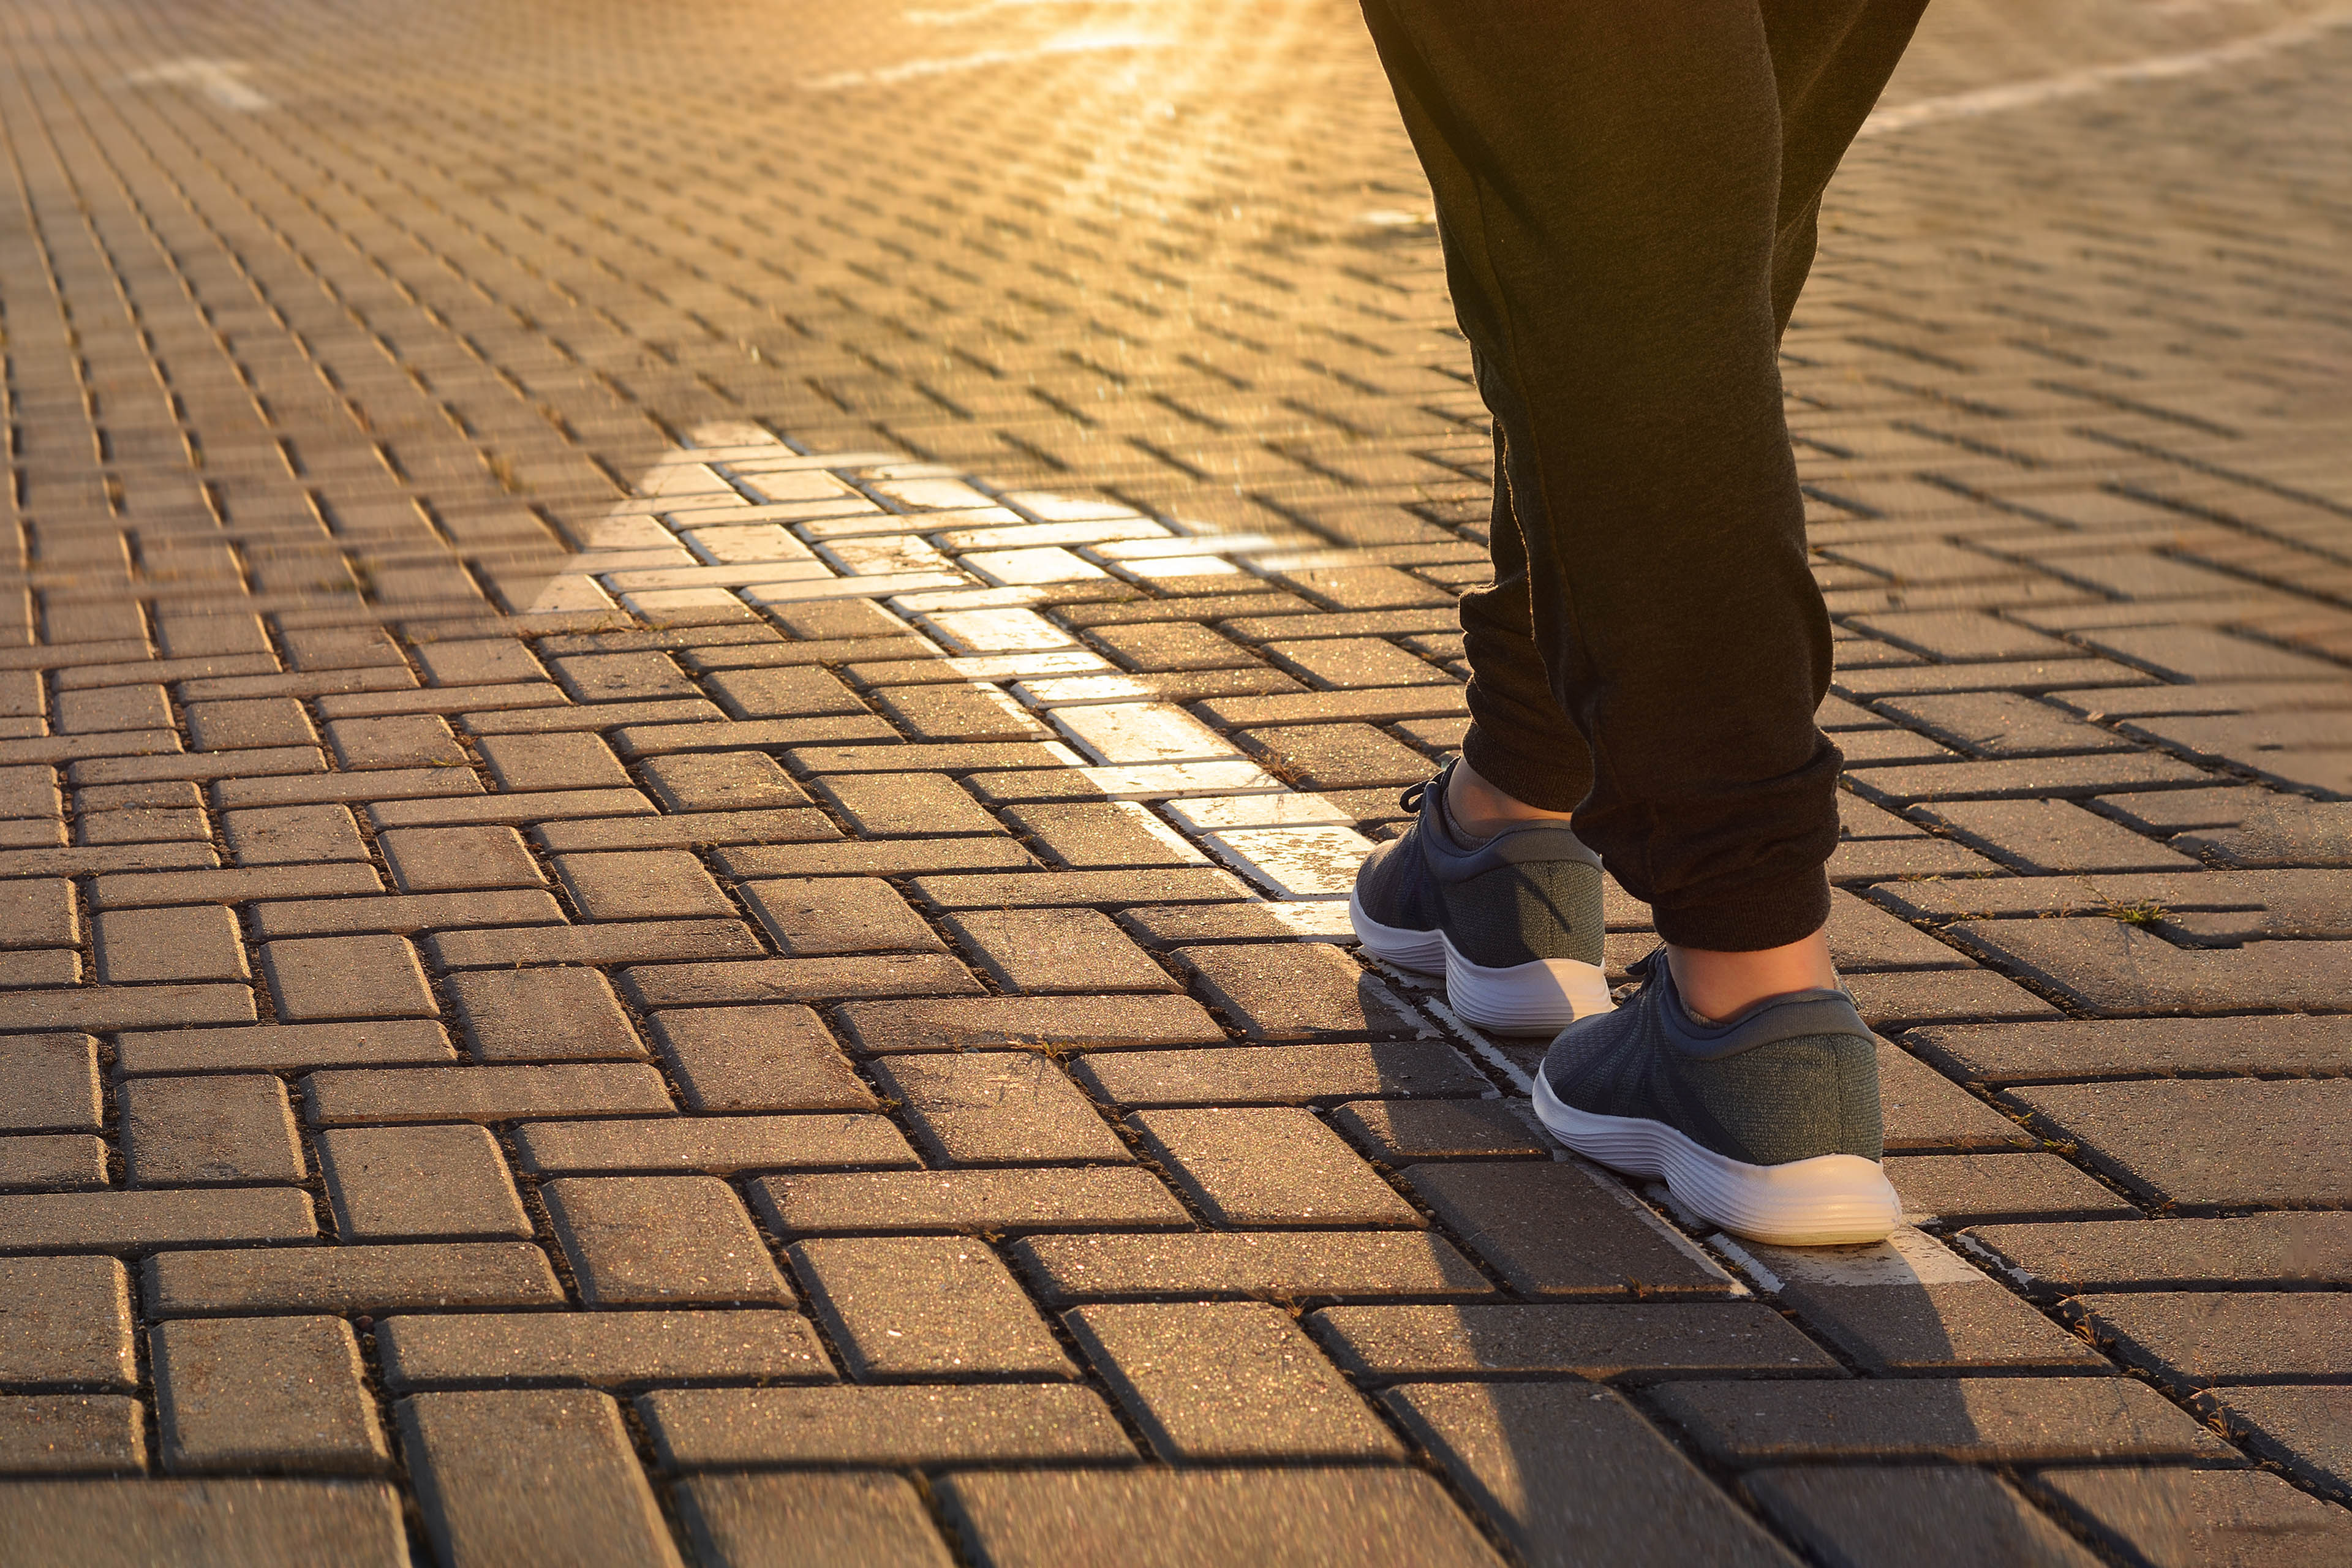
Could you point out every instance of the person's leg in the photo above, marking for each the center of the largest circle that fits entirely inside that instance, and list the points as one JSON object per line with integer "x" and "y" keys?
{"x": 1624, "y": 243}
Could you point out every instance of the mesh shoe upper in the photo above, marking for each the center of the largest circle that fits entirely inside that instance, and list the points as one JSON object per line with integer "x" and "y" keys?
{"x": 1529, "y": 892}
{"x": 1793, "y": 1078}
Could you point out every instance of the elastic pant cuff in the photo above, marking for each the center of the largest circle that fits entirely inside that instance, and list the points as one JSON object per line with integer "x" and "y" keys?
{"x": 1761, "y": 915}
{"x": 1546, "y": 786}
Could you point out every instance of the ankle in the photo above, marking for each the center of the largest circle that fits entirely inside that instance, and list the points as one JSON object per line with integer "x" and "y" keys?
{"x": 1481, "y": 810}
{"x": 1720, "y": 984}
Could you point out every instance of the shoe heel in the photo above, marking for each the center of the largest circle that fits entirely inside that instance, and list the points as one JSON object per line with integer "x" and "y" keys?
{"x": 1541, "y": 996}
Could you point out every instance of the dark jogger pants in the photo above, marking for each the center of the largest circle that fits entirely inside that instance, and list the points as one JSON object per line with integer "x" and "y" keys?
{"x": 1627, "y": 193}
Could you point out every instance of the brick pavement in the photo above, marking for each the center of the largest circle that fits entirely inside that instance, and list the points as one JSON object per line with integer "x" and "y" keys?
{"x": 685, "y": 695}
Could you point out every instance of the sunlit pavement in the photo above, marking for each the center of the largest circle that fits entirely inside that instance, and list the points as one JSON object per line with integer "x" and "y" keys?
{"x": 689, "y": 690}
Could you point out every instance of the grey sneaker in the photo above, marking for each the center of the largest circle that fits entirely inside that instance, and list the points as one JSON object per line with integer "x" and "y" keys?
{"x": 1766, "y": 1124}
{"x": 1513, "y": 921}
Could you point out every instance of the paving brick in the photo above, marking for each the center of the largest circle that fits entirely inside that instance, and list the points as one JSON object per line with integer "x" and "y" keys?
{"x": 388, "y": 783}
{"x": 944, "y": 757}
{"x": 716, "y": 1146}
{"x": 1057, "y": 950}
{"x": 560, "y": 762}
{"x": 346, "y": 977}
{"x": 1968, "y": 1420}
{"x": 109, "y": 1009}
{"x": 1401, "y": 1131}
{"x": 1276, "y": 1266}
{"x": 1275, "y": 1167}
{"x": 2168, "y": 1516}
{"x": 886, "y": 858}
{"x": 132, "y": 1222}
{"x": 802, "y": 691}
{"x": 341, "y": 1280}
{"x": 167, "y": 812}
{"x": 1908, "y": 1307}
{"x": 1381, "y": 1518}
{"x": 220, "y": 765}
{"x": 1969, "y": 1189}
{"x": 698, "y": 1429}
{"x": 546, "y": 805}
{"x": 958, "y": 712}
{"x": 798, "y": 980}
{"x": 1923, "y": 1111}
{"x": 687, "y": 830}
{"x": 406, "y": 913}
{"x": 2058, "y": 1052}
{"x": 279, "y": 1393}
{"x": 604, "y": 942}
{"x": 1335, "y": 757}
{"x": 1558, "y": 1229}
{"x": 2183, "y": 1141}
{"x": 1168, "y": 645}
{"x": 997, "y": 1023}
{"x": 1935, "y": 1515}
{"x": 55, "y": 1434}
{"x": 2308, "y": 1430}
{"x": 621, "y": 677}
{"x": 1103, "y": 836}
{"x": 810, "y": 1518}
{"x": 253, "y": 722}
{"x": 637, "y": 742}
{"x": 1227, "y": 1380}
{"x": 420, "y": 1184}
{"x": 598, "y": 1350}
{"x": 474, "y": 661}
{"x": 721, "y": 781}
{"x": 813, "y": 915}
{"x": 97, "y": 860}
{"x": 2046, "y": 837}
{"x": 293, "y": 834}
{"x": 342, "y": 1097}
{"x": 1104, "y": 889}
{"x": 927, "y": 1308}
{"x": 206, "y": 1131}
{"x": 2248, "y": 1251}
{"x": 58, "y": 1162}
{"x": 282, "y": 1047}
{"x": 1290, "y": 1075}
{"x": 1297, "y": 991}
{"x": 108, "y": 707}
{"x": 39, "y": 969}
{"x": 661, "y": 1240}
{"x": 50, "y": 1083}
{"x": 2034, "y": 778}
{"x": 1353, "y": 662}
{"x": 65, "y": 1322}
{"x": 1639, "y": 1343}
{"x": 397, "y": 740}
{"x": 999, "y": 1108}
{"x": 2192, "y": 1339}
{"x": 532, "y": 1477}
{"x": 1997, "y": 725}
{"x": 1554, "y": 1467}
{"x": 194, "y": 943}
{"x": 542, "y": 1015}
{"x": 729, "y": 1059}
{"x": 38, "y": 914}
{"x": 651, "y": 884}
{"x": 994, "y": 1202}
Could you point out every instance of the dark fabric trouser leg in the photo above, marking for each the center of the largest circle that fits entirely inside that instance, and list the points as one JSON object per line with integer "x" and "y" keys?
{"x": 1627, "y": 192}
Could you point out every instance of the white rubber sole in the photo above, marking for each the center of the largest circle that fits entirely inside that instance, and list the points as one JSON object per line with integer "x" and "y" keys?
{"x": 1542, "y": 996}
{"x": 1830, "y": 1200}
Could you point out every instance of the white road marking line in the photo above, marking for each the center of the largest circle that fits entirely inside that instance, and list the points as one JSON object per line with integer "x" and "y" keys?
{"x": 220, "y": 80}
{"x": 2096, "y": 79}
{"x": 1078, "y": 43}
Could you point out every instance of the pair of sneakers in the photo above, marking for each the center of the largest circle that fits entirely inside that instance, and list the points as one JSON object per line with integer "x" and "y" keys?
{"x": 1766, "y": 1123}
